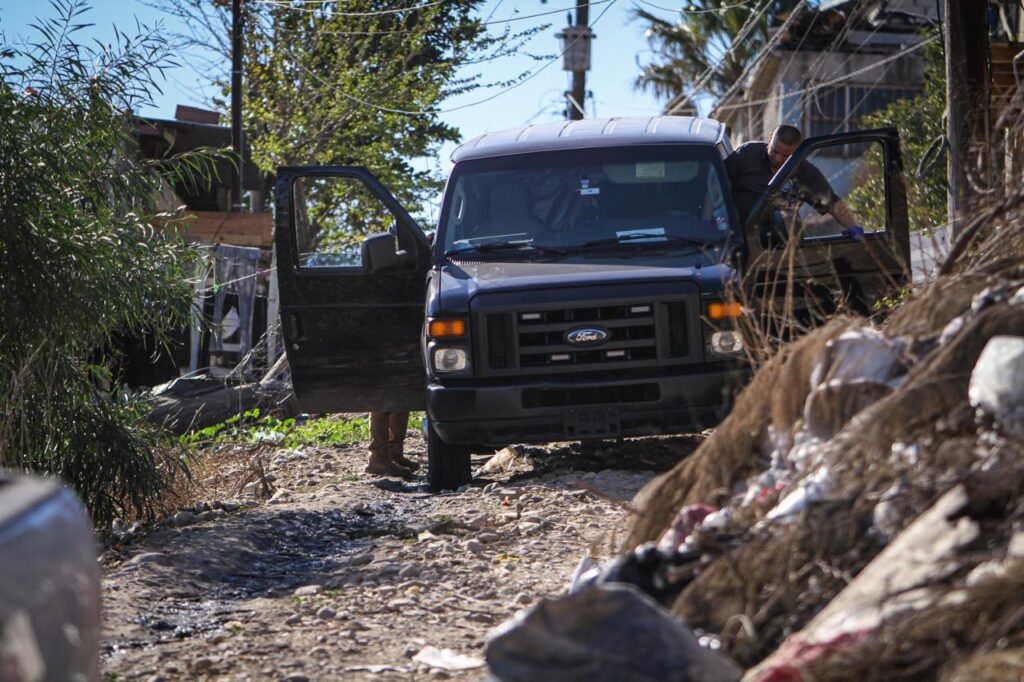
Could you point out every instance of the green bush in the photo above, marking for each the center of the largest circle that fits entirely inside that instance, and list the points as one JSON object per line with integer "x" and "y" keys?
{"x": 919, "y": 121}
{"x": 81, "y": 263}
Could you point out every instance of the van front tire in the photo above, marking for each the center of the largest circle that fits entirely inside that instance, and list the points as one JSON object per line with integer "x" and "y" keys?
{"x": 448, "y": 466}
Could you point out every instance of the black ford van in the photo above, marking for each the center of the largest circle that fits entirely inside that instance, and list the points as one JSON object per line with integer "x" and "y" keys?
{"x": 574, "y": 288}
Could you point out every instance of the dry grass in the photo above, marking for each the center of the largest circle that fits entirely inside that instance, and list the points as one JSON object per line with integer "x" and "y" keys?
{"x": 736, "y": 449}
{"x": 765, "y": 582}
{"x": 217, "y": 472}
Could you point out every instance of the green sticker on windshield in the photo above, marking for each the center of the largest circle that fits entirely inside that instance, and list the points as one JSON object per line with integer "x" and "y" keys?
{"x": 650, "y": 170}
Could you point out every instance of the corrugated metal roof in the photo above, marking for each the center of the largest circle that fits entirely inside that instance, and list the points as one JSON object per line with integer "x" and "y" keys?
{"x": 589, "y": 133}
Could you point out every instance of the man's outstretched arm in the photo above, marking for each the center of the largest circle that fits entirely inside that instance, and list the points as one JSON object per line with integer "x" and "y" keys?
{"x": 841, "y": 212}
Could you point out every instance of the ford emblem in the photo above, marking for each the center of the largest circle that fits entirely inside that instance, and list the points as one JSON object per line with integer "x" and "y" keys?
{"x": 587, "y": 336}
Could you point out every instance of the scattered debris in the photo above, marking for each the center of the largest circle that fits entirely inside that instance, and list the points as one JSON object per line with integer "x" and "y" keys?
{"x": 446, "y": 659}
{"x": 997, "y": 383}
{"x": 900, "y": 578}
{"x": 688, "y": 519}
{"x": 813, "y": 488}
{"x": 602, "y": 633}
{"x": 503, "y": 460}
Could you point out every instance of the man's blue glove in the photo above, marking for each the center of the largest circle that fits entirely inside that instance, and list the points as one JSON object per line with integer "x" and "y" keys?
{"x": 854, "y": 232}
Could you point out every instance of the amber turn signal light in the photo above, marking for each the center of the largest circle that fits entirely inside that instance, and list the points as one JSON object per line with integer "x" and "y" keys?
{"x": 721, "y": 311}
{"x": 447, "y": 329}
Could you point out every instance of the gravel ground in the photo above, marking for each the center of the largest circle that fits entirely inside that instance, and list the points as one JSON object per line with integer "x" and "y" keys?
{"x": 331, "y": 573}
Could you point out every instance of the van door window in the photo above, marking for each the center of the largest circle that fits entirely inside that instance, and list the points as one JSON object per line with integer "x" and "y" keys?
{"x": 855, "y": 173}
{"x": 332, "y": 216}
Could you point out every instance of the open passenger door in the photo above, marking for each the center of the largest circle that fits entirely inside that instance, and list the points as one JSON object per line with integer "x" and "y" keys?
{"x": 351, "y": 267}
{"x": 802, "y": 262}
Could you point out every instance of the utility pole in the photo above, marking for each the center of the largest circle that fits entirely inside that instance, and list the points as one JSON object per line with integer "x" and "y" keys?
{"x": 967, "y": 103}
{"x": 576, "y": 39}
{"x": 236, "y": 103}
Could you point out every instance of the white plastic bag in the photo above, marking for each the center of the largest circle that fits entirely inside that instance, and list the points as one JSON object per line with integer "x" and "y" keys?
{"x": 997, "y": 383}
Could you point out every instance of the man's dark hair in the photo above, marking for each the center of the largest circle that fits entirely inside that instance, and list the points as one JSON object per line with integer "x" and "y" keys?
{"x": 788, "y": 135}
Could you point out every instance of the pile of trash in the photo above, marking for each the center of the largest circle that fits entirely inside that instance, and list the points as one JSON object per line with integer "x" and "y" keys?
{"x": 859, "y": 515}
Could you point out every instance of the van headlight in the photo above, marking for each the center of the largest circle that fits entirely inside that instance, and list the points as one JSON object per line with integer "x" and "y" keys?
{"x": 448, "y": 360}
{"x": 727, "y": 342}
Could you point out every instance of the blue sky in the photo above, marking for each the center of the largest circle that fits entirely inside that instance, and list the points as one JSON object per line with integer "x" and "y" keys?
{"x": 619, "y": 42}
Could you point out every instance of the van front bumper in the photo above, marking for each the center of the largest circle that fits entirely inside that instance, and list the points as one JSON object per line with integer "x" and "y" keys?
{"x": 541, "y": 410}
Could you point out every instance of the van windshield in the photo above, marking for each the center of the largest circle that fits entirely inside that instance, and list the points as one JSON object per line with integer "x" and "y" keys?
{"x": 568, "y": 201}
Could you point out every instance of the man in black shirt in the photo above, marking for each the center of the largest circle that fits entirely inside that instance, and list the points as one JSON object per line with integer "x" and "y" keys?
{"x": 752, "y": 165}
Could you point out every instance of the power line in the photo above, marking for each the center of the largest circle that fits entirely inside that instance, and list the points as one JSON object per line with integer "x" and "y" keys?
{"x": 849, "y": 113}
{"x": 761, "y": 55}
{"x": 776, "y": 38}
{"x": 285, "y": 4}
{"x": 833, "y": 48}
{"x": 592, "y": 3}
{"x": 494, "y": 9}
{"x": 680, "y": 10}
{"x": 291, "y": 4}
{"x": 683, "y": 98}
{"x": 807, "y": 96}
{"x": 814, "y": 68}
{"x": 487, "y": 22}
{"x": 407, "y": 112}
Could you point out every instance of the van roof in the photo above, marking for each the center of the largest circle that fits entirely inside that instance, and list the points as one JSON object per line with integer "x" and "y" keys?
{"x": 590, "y": 133}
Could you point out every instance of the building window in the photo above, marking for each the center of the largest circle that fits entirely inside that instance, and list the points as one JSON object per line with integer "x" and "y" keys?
{"x": 825, "y": 111}
{"x": 866, "y": 100}
{"x": 842, "y": 108}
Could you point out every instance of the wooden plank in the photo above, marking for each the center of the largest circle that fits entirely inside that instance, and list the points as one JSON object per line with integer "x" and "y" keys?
{"x": 1003, "y": 53}
{"x": 239, "y": 229}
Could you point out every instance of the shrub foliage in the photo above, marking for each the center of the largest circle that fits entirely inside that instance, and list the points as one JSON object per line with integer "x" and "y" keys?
{"x": 919, "y": 121}
{"x": 81, "y": 262}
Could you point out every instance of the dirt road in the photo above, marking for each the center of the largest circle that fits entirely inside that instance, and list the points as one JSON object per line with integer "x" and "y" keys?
{"x": 344, "y": 575}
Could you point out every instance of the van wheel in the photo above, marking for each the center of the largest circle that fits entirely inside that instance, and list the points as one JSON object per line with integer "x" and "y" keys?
{"x": 448, "y": 466}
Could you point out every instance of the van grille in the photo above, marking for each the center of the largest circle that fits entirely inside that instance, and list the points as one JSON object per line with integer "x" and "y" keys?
{"x": 499, "y": 337}
{"x": 629, "y": 329}
{"x": 634, "y": 334}
{"x": 677, "y": 342}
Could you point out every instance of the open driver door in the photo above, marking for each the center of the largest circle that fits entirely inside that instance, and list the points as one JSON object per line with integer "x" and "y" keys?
{"x": 351, "y": 267}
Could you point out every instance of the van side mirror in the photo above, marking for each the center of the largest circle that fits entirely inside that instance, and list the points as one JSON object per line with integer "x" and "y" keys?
{"x": 380, "y": 253}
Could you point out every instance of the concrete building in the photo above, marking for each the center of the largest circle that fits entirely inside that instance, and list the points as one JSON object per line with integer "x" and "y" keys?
{"x": 830, "y": 66}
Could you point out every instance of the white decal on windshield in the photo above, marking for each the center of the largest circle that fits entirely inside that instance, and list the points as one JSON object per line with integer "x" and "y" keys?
{"x": 657, "y": 234}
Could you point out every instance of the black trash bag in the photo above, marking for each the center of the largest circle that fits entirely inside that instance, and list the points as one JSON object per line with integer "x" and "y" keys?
{"x": 654, "y": 571}
{"x": 602, "y": 633}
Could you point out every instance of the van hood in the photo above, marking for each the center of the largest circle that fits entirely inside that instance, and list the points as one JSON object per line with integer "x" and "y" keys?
{"x": 460, "y": 282}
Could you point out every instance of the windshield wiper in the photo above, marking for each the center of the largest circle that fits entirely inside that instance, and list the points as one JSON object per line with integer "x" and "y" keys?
{"x": 642, "y": 238}
{"x": 495, "y": 247}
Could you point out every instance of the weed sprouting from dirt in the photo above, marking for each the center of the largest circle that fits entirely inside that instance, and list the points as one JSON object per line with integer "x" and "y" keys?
{"x": 255, "y": 427}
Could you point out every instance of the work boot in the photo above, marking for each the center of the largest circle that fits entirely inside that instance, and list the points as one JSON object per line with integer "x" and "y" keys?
{"x": 381, "y": 465}
{"x": 401, "y": 460}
